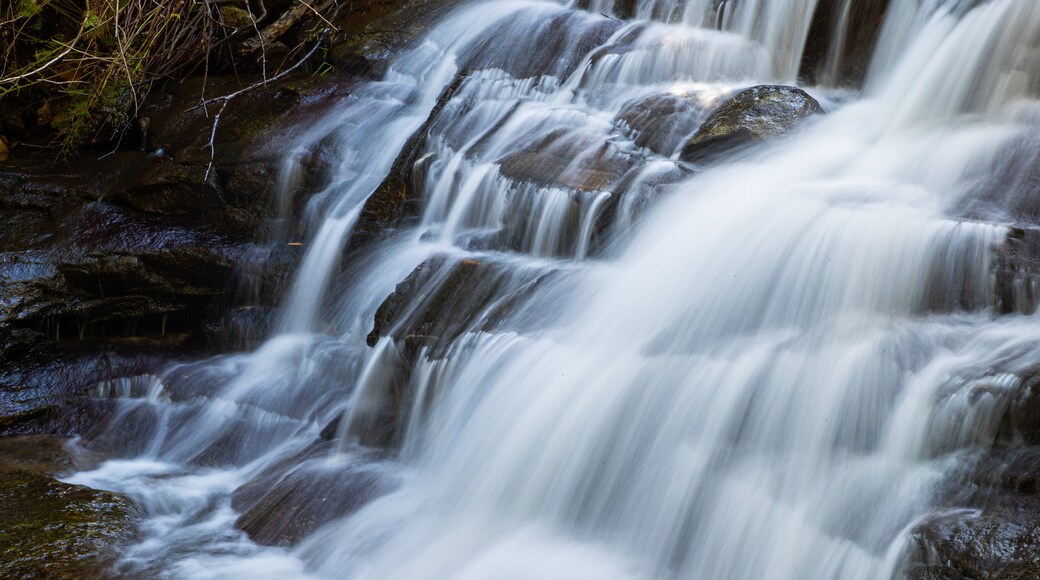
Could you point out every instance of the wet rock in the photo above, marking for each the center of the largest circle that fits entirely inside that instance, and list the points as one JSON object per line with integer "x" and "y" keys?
{"x": 444, "y": 297}
{"x": 44, "y": 390}
{"x": 243, "y": 328}
{"x": 661, "y": 122}
{"x": 841, "y": 41}
{"x": 1011, "y": 187}
{"x": 372, "y": 32}
{"x": 298, "y": 495}
{"x": 331, "y": 430}
{"x": 1021, "y": 420}
{"x": 53, "y": 529}
{"x": 625, "y": 9}
{"x": 754, "y": 115}
{"x": 999, "y": 543}
{"x": 991, "y": 529}
{"x": 1017, "y": 271}
{"x": 441, "y": 299}
{"x": 416, "y": 308}
{"x": 44, "y": 454}
{"x": 137, "y": 252}
{"x": 568, "y": 159}
{"x": 396, "y": 199}
{"x": 1007, "y": 471}
{"x": 556, "y": 48}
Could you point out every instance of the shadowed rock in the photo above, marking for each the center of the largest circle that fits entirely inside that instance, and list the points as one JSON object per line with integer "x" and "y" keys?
{"x": 444, "y": 297}
{"x": 1017, "y": 271}
{"x": 299, "y": 494}
{"x": 841, "y": 41}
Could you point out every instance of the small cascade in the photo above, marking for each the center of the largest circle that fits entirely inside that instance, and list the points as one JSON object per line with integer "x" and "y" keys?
{"x": 149, "y": 387}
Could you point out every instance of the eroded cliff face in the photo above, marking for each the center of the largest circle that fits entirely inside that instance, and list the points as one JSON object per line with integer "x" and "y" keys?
{"x": 168, "y": 242}
{"x": 115, "y": 260}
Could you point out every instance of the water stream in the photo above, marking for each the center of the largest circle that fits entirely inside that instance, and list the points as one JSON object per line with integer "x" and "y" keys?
{"x": 761, "y": 369}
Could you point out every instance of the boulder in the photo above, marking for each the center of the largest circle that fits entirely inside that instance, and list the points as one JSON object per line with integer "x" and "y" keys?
{"x": 754, "y": 115}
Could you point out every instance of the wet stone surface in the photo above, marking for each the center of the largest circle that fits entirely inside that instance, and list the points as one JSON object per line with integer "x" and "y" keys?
{"x": 53, "y": 529}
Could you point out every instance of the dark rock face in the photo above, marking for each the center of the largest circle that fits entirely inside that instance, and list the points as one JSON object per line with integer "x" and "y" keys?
{"x": 753, "y": 115}
{"x": 443, "y": 298}
{"x": 992, "y": 529}
{"x": 105, "y": 260}
{"x": 372, "y": 32}
{"x": 1021, "y": 419}
{"x": 53, "y": 529}
{"x": 835, "y": 58}
{"x": 395, "y": 198}
{"x": 1008, "y": 190}
{"x": 550, "y": 51}
{"x": 412, "y": 314}
{"x": 1017, "y": 271}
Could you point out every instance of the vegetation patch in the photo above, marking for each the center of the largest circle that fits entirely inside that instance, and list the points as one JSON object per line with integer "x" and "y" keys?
{"x": 86, "y": 66}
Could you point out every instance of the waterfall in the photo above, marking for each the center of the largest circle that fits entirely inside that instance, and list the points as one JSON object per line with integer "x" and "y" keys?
{"x": 595, "y": 361}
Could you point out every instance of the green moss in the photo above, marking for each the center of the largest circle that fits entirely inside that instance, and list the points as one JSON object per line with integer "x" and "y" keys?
{"x": 58, "y": 530}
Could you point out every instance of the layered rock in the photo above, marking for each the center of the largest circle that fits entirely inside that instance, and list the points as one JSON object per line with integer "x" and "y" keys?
{"x": 102, "y": 259}
{"x": 445, "y": 297}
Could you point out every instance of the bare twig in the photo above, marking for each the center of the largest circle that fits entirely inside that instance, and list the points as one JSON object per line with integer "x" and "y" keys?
{"x": 43, "y": 67}
{"x": 320, "y": 15}
{"x": 225, "y": 99}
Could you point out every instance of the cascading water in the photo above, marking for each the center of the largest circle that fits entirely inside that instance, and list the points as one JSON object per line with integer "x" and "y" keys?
{"x": 758, "y": 370}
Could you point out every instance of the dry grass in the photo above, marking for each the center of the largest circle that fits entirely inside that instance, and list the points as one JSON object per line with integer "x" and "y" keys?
{"x": 88, "y": 64}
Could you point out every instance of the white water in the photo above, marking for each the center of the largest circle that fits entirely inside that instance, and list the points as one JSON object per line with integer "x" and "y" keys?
{"x": 760, "y": 371}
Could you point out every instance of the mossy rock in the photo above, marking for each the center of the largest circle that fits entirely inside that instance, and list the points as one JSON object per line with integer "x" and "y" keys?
{"x": 53, "y": 529}
{"x": 754, "y": 115}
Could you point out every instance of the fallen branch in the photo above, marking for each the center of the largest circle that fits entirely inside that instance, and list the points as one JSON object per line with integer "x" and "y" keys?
{"x": 287, "y": 20}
